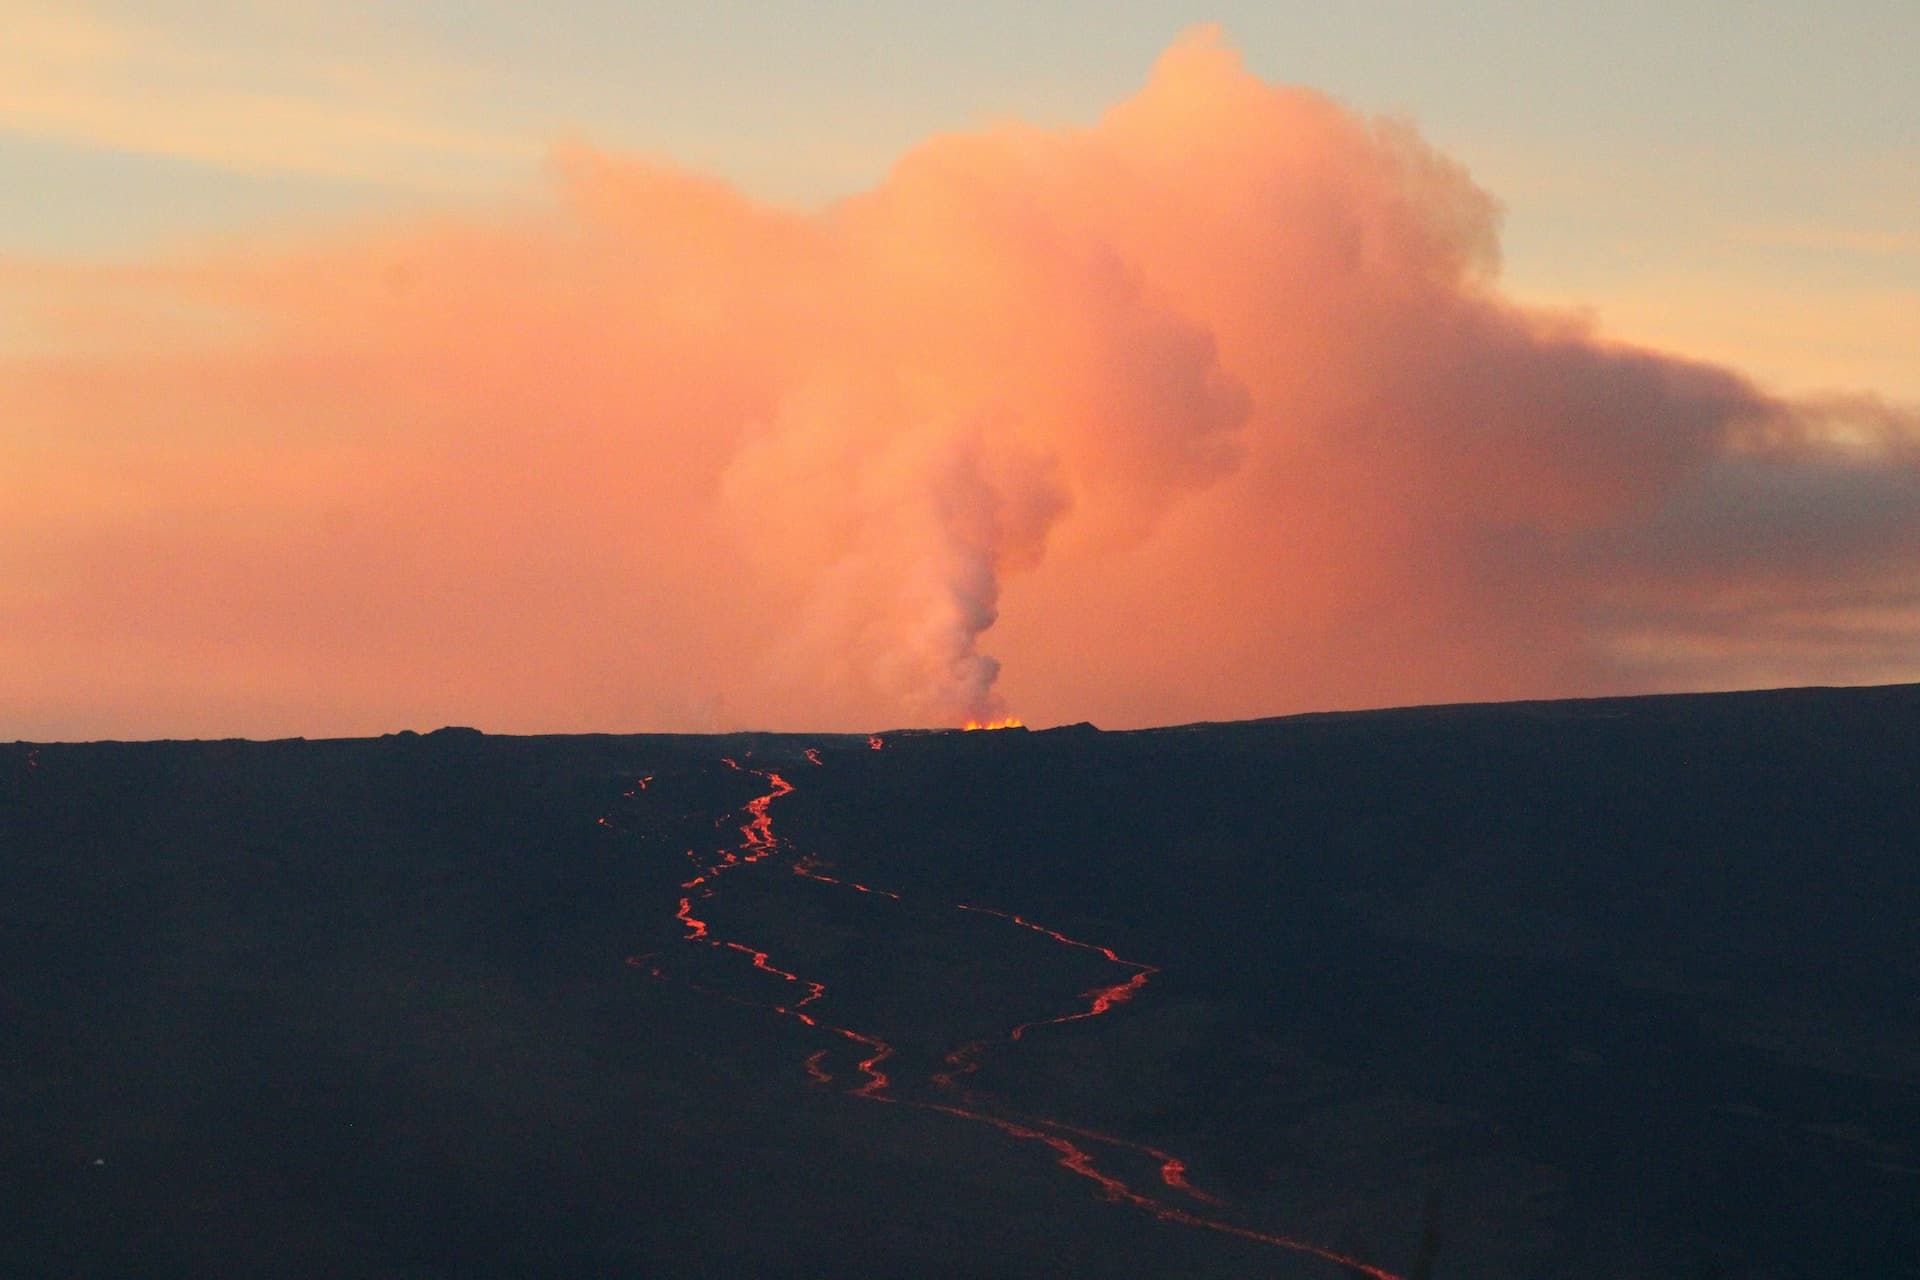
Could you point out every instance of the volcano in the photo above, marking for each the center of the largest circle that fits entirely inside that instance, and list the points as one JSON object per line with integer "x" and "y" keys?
{"x": 1603, "y": 988}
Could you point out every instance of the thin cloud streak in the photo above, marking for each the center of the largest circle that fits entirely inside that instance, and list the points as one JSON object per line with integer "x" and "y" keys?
{"x": 113, "y": 82}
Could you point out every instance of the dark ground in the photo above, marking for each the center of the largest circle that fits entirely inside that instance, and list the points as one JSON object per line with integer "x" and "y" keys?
{"x": 1592, "y": 989}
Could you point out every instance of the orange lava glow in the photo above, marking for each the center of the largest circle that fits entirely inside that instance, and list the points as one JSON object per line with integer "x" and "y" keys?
{"x": 1101, "y": 999}
{"x": 809, "y": 866}
{"x": 1008, "y": 722}
{"x": 1072, "y": 1146}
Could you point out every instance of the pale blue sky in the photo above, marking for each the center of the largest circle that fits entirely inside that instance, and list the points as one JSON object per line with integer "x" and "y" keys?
{"x": 1740, "y": 180}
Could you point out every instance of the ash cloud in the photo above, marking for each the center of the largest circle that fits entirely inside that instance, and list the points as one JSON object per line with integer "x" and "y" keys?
{"x": 1213, "y": 408}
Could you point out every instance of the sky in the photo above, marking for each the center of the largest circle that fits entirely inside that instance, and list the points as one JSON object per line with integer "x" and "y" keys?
{"x": 611, "y": 366}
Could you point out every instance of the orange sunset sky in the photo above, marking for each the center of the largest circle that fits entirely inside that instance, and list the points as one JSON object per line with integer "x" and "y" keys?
{"x": 1213, "y": 400}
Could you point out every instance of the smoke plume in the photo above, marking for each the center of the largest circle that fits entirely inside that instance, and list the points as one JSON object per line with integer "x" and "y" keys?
{"x": 1213, "y": 408}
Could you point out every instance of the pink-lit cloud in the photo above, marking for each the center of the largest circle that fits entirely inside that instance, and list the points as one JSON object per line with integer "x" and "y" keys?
{"x": 1211, "y": 409}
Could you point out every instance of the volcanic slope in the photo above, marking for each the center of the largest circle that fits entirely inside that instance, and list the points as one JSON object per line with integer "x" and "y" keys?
{"x": 1602, "y": 988}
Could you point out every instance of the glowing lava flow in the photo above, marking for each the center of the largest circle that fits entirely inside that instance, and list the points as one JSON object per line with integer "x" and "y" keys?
{"x": 816, "y": 1072}
{"x": 1008, "y": 722}
{"x": 757, "y": 838}
{"x": 1102, "y": 998}
{"x": 808, "y": 867}
{"x": 758, "y": 841}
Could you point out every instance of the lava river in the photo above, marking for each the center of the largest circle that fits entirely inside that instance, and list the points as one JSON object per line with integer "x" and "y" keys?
{"x": 1081, "y": 1151}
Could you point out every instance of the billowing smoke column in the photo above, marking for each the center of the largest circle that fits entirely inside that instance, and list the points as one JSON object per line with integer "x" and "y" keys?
{"x": 984, "y": 364}
{"x": 1212, "y": 408}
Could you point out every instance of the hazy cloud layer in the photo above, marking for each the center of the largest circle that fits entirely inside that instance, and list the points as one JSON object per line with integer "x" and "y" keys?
{"x": 1215, "y": 407}
{"x": 141, "y": 85}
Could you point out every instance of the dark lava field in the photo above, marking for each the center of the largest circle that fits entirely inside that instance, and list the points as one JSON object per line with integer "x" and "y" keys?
{"x": 1600, "y": 989}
